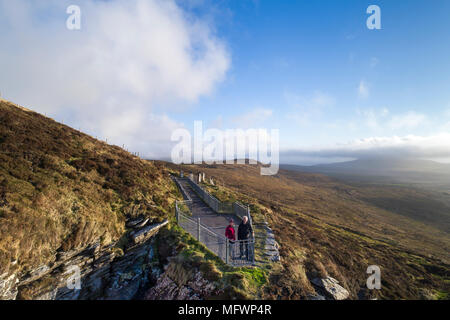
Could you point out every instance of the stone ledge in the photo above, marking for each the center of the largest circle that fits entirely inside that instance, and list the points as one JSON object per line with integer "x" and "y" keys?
{"x": 147, "y": 232}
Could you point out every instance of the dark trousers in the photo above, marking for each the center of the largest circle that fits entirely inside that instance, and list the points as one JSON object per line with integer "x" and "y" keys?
{"x": 243, "y": 248}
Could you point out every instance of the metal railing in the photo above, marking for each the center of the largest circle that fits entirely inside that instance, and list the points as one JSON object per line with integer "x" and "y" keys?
{"x": 184, "y": 207}
{"x": 218, "y": 206}
{"x": 183, "y": 191}
{"x": 234, "y": 253}
{"x": 210, "y": 200}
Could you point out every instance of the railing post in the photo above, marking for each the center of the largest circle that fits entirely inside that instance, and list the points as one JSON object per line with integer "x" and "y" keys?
{"x": 198, "y": 229}
{"x": 253, "y": 252}
{"x": 176, "y": 212}
{"x": 227, "y": 251}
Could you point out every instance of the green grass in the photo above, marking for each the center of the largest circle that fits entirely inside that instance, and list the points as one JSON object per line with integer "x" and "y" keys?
{"x": 235, "y": 283}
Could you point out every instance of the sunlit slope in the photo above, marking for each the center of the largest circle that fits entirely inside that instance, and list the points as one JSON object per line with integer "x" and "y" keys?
{"x": 61, "y": 189}
{"x": 327, "y": 227}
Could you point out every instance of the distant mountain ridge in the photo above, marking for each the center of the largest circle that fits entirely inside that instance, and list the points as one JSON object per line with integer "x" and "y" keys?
{"x": 408, "y": 170}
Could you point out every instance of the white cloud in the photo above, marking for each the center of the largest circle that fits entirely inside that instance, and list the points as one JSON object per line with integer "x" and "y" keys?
{"x": 363, "y": 90}
{"x": 433, "y": 146}
{"x": 108, "y": 78}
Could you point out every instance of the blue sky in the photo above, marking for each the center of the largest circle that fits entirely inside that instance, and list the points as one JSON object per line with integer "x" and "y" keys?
{"x": 312, "y": 69}
{"x": 285, "y": 54}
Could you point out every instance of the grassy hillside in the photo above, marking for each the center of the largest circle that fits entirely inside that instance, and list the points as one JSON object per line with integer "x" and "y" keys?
{"x": 61, "y": 189}
{"x": 328, "y": 228}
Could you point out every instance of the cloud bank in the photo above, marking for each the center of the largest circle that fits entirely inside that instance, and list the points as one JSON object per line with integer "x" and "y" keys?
{"x": 111, "y": 77}
{"x": 411, "y": 146}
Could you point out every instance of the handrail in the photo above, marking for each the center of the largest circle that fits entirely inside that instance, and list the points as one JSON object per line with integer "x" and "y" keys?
{"x": 237, "y": 208}
{"x": 183, "y": 191}
{"x": 220, "y": 245}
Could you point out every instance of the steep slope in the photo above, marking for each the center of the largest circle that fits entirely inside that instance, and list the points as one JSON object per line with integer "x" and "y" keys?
{"x": 325, "y": 227}
{"x": 69, "y": 202}
{"x": 62, "y": 191}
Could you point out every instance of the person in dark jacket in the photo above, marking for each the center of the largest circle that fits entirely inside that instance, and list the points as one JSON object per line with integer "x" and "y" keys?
{"x": 245, "y": 231}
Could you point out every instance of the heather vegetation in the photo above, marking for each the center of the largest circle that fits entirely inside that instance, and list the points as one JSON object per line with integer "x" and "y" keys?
{"x": 61, "y": 190}
{"x": 326, "y": 227}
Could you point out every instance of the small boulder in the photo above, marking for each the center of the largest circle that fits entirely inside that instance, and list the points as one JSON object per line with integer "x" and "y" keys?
{"x": 331, "y": 287}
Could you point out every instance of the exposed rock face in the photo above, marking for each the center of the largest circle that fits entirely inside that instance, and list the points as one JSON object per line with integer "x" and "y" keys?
{"x": 331, "y": 288}
{"x": 271, "y": 248}
{"x": 134, "y": 223}
{"x": 147, "y": 232}
{"x": 166, "y": 289}
{"x": 105, "y": 272}
{"x": 8, "y": 286}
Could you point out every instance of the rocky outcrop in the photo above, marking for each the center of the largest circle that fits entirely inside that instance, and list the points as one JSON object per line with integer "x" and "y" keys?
{"x": 271, "y": 246}
{"x": 147, "y": 232}
{"x": 330, "y": 287}
{"x": 105, "y": 272}
{"x": 8, "y": 286}
{"x": 196, "y": 289}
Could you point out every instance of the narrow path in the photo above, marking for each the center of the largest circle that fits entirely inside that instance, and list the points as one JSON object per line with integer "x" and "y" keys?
{"x": 207, "y": 216}
{"x": 266, "y": 248}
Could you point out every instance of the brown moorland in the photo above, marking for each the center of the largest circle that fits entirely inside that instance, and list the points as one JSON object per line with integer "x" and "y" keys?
{"x": 327, "y": 227}
{"x": 61, "y": 189}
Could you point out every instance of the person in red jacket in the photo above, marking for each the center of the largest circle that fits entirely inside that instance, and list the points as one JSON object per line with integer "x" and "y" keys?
{"x": 229, "y": 231}
{"x": 230, "y": 234}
